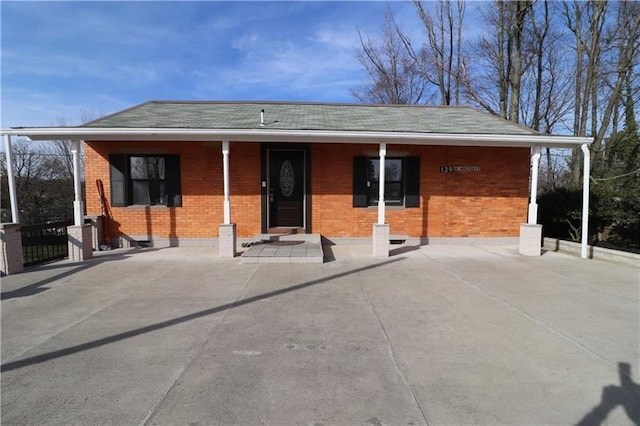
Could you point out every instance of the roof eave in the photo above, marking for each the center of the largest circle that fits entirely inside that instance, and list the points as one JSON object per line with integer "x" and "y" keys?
{"x": 300, "y": 136}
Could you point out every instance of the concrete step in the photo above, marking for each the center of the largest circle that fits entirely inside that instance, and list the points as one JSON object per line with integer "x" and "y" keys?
{"x": 269, "y": 248}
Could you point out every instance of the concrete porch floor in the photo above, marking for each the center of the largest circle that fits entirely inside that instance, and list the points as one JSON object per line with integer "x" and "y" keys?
{"x": 435, "y": 334}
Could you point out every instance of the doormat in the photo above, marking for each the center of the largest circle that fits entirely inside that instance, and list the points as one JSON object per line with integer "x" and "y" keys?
{"x": 284, "y": 243}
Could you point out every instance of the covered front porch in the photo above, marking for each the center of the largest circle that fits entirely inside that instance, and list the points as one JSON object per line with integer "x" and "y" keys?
{"x": 228, "y": 241}
{"x": 339, "y": 170}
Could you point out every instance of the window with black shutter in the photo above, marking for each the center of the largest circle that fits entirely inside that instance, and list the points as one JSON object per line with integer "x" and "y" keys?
{"x": 145, "y": 180}
{"x": 401, "y": 182}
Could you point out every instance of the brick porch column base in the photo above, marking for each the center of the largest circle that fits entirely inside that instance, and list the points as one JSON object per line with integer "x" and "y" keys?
{"x": 227, "y": 240}
{"x": 530, "y": 240}
{"x": 12, "y": 259}
{"x": 381, "y": 240}
{"x": 80, "y": 242}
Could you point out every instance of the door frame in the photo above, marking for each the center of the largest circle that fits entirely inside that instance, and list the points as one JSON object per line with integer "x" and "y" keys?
{"x": 265, "y": 148}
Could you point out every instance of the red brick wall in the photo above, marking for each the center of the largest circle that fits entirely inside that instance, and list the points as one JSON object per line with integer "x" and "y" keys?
{"x": 244, "y": 168}
{"x": 492, "y": 202}
{"x": 199, "y": 162}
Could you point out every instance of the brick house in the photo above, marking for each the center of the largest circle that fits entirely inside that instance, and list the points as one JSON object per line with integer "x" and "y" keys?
{"x": 173, "y": 171}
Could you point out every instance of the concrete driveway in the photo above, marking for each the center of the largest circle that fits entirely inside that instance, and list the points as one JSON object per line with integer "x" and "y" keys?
{"x": 437, "y": 335}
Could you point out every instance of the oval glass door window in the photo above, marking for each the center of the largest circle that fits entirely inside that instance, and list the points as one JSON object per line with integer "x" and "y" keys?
{"x": 287, "y": 179}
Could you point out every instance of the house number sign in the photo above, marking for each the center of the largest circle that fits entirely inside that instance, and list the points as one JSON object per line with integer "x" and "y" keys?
{"x": 452, "y": 169}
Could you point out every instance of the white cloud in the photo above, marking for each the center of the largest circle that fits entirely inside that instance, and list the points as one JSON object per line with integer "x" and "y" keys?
{"x": 245, "y": 42}
{"x": 346, "y": 39}
{"x": 302, "y": 65}
{"x": 66, "y": 65}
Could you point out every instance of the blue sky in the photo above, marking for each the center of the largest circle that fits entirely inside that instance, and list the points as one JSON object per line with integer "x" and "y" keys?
{"x": 62, "y": 58}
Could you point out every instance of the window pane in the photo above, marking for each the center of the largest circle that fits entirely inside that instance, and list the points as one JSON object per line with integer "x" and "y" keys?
{"x": 394, "y": 183}
{"x": 373, "y": 192}
{"x": 393, "y": 191}
{"x": 138, "y": 167}
{"x": 141, "y": 193}
{"x": 373, "y": 170}
{"x": 156, "y": 167}
{"x": 393, "y": 170}
{"x": 157, "y": 194}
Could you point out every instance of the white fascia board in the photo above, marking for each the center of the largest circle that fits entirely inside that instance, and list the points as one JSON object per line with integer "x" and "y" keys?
{"x": 301, "y": 136}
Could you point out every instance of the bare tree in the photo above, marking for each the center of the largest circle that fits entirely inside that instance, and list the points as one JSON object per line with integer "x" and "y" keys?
{"x": 404, "y": 72}
{"x": 605, "y": 58}
{"x": 540, "y": 44}
{"x": 44, "y": 178}
{"x": 396, "y": 71}
{"x": 44, "y": 193}
{"x": 444, "y": 47}
{"x": 546, "y": 98}
{"x": 61, "y": 149}
{"x": 518, "y": 13}
{"x": 495, "y": 83}
{"x": 626, "y": 40}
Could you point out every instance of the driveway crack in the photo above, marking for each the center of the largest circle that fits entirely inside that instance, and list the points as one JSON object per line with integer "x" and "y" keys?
{"x": 393, "y": 356}
{"x": 531, "y": 317}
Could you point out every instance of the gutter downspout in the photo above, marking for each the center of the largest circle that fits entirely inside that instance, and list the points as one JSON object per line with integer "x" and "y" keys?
{"x": 13, "y": 198}
{"x": 533, "y": 204}
{"x": 585, "y": 199}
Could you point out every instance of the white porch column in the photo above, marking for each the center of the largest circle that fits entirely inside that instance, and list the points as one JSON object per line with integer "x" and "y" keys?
{"x": 383, "y": 154}
{"x": 11, "y": 259}
{"x": 380, "y": 229}
{"x": 585, "y": 199}
{"x": 79, "y": 235}
{"x": 530, "y": 243}
{"x": 13, "y": 198}
{"x": 78, "y": 205}
{"x": 225, "y": 172}
{"x": 533, "y": 204}
{"x": 226, "y": 231}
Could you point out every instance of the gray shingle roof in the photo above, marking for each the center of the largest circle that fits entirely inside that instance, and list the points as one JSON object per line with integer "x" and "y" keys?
{"x": 310, "y": 116}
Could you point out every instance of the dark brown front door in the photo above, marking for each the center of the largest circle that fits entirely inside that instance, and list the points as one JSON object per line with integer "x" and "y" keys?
{"x": 286, "y": 188}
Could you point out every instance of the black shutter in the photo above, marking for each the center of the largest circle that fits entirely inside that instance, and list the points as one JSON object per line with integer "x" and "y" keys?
{"x": 412, "y": 181}
{"x": 172, "y": 182}
{"x": 118, "y": 178}
{"x": 360, "y": 198}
